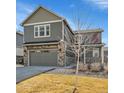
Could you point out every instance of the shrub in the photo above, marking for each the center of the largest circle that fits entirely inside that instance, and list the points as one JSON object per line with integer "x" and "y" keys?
{"x": 106, "y": 69}
{"x": 95, "y": 67}
{"x": 83, "y": 67}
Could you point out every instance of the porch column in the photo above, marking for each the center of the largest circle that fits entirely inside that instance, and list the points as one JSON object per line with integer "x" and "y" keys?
{"x": 84, "y": 55}
{"x": 65, "y": 54}
{"x": 102, "y": 54}
{"x": 28, "y": 58}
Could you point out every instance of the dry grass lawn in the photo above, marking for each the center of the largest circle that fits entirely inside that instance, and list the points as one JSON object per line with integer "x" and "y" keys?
{"x": 54, "y": 83}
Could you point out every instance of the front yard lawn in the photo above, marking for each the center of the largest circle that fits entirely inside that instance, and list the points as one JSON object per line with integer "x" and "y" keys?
{"x": 58, "y": 83}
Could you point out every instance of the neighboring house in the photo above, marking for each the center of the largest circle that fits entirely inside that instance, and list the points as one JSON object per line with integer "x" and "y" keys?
{"x": 91, "y": 45}
{"x": 48, "y": 40}
{"x": 19, "y": 47}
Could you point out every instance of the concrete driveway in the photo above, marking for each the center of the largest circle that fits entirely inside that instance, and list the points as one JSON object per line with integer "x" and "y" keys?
{"x": 23, "y": 73}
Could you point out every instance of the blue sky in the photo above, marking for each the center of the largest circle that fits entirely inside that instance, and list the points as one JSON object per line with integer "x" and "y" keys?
{"x": 93, "y": 13}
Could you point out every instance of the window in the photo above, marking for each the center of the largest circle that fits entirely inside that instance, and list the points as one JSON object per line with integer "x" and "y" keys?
{"x": 47, "y": 30}
{"x": 36, "y": 30}
{"x": 36, "y": 33}
{"x": 42, "y": 30}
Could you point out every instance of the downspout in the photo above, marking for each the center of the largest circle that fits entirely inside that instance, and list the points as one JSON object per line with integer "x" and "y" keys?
{"x": 62, "y": 29}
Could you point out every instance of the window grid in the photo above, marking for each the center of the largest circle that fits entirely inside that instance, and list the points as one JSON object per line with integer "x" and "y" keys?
{"x": 42, "y": 29}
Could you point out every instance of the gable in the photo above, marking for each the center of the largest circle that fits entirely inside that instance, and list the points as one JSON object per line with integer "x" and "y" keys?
{"x": 41, "y": 15}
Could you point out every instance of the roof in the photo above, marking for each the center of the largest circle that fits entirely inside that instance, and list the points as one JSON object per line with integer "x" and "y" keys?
{"x": 65, "y": 21}
{"x": 19, "y": 32}
{"x": 50, "y": 12}
{"x": 69, "y": 26}
{"x": 89, "y": 31}
{"x": 36, "y": 11}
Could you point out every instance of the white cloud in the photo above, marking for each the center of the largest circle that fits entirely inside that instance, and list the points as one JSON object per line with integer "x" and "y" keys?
{"x": 29, "y": 10}
{"x": 103, "y": 4}
{"x": 71, "y": 5}
{"x": 25, "y": 7}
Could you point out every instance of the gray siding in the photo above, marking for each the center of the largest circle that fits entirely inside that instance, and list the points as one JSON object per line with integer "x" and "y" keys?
{"x": 19, "y": 40}
{"x": 70, "y": 58}
{"x": 69, "y": 37}
{"x": 55, "y": 30}
{"x": 43, "y": 58}
{"x": 42, "y": 15}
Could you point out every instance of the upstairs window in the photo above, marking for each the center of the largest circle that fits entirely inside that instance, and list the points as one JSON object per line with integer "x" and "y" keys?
{"x": 42, "y": 30}
{"x": 36, "y": 31}
{"x": 47, "y": 30}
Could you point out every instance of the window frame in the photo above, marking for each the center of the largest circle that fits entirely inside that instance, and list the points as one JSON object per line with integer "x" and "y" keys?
{"x": 45, "y": 31}
{"x": 36, "y": 31}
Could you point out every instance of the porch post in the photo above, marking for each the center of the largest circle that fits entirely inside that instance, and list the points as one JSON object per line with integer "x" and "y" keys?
{"x": 65, "y": 54}
{"x": 84, "y": 55}
{"x": 102, "y": 54}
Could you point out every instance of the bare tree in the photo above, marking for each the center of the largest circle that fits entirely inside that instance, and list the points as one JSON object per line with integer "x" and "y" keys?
{"x": 79, "y": 25}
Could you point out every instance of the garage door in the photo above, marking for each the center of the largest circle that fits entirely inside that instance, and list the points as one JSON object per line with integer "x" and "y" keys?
{"x": 43, "y": 58}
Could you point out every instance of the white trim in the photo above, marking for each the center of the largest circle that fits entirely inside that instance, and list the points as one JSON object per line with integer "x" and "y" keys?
{"x": 38, "y": 23}
{"x": 63, "y": 27}
{"x": 42, "y": 49}
{"x": 42, "y": 43}
{"x": 65, "y": 56}
{"x": 93, "y": 45}
{"x": 28, "y": 58}
{"x": 35, "y": 31}
{"x": 84, "y": 55}
{"x": 89, "y": 31}
{"x": 44, "y": 31}
{"x": 102, "y": 55}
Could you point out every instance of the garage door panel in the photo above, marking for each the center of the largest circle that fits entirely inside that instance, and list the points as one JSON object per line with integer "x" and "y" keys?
{"x": 43, "y": 58}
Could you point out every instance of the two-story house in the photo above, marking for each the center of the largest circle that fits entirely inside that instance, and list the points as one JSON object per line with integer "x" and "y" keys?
{"x": 50, "y": 41}
{"x": 47, "y": 39}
